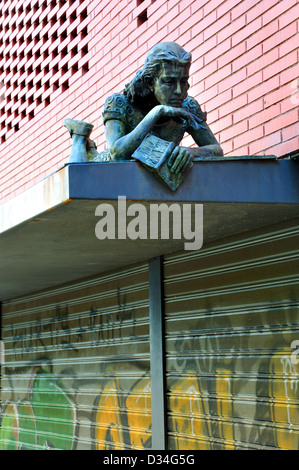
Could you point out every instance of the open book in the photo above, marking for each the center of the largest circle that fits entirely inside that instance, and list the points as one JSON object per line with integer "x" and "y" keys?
{"x": 154, "y": 153}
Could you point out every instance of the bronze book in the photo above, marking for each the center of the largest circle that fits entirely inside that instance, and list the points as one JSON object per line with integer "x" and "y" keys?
{"x": 154, "y": 153}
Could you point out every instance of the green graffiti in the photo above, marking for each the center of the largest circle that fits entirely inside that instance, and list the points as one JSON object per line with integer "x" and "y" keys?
{"x": 54, "y": 413}
{"x": 9, "y": 428}
{"x": 27, "y": 427}
{"x": 45, "y": 420}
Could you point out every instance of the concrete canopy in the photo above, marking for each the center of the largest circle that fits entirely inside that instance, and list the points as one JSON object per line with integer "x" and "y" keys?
{"x": 47, "y": 234}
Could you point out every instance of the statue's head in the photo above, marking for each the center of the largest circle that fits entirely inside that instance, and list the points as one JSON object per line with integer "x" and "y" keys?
{"x": 169, "y": 52}
{"x": 163, "y": 58}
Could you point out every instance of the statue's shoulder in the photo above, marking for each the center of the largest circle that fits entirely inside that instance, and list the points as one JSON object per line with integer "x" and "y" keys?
{"x": 193, "y": 106}
{"x": 117, "y": 106}
{"x": 116, "y": 102}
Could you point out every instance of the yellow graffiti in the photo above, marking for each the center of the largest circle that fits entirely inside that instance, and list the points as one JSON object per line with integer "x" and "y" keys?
{"x": 224, "y": 407}
{"x": 139, "y": 414}
{"x": 284, "y": 396}
{"x": 186, "y": 405}
{"x": 123, "y": 420}
{"x": 192, "y": 422}
{"x": 108, "y": 418}
{"x": 216, "y": 411}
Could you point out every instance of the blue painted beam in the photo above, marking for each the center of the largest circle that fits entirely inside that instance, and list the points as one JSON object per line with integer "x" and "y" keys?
{"x": 261, "y": 181}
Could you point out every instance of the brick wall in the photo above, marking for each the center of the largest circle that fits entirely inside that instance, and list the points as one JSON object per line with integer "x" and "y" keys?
{"x": 62, "y": 58}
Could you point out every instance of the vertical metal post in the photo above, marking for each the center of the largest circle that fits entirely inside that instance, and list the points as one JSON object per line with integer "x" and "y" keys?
{"x": 157, "y": 354}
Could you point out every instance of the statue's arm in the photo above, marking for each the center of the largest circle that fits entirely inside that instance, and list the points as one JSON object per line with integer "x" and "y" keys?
{"x": 208, "y": 145}
{"x": 122, "y": 145}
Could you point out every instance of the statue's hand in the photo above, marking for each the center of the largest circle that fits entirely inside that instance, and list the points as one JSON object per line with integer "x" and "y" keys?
{"x": 174, "y": 113}
{"x": 180, "y": 159}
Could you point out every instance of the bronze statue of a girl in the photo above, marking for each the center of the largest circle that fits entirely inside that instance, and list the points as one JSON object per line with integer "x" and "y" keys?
{"x": 156, "y": 102}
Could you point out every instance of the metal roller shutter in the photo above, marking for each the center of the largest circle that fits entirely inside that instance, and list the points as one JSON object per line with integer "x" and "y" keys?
{"x": 231, "y": 314}
{"x": 76, "y": 372}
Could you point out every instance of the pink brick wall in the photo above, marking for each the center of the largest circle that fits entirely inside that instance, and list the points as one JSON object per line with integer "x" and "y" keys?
{"x": 244, "y": 73}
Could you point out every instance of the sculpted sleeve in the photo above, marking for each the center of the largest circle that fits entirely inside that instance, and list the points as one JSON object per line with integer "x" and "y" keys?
{"x": 115, "y": 108}
{"x": 198, "y": 128}
{"x": 194, "y": 108}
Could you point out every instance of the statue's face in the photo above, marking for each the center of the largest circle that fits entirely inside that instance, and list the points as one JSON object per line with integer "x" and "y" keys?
{"x": 171, "y": 86}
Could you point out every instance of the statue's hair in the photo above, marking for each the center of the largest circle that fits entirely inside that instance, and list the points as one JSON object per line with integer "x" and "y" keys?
{"x": 163, "y": 52}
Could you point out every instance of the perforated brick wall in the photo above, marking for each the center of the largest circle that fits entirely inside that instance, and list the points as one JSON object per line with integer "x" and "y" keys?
{"x": 62, "y": 58}
{"x": 41, "y": 45}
